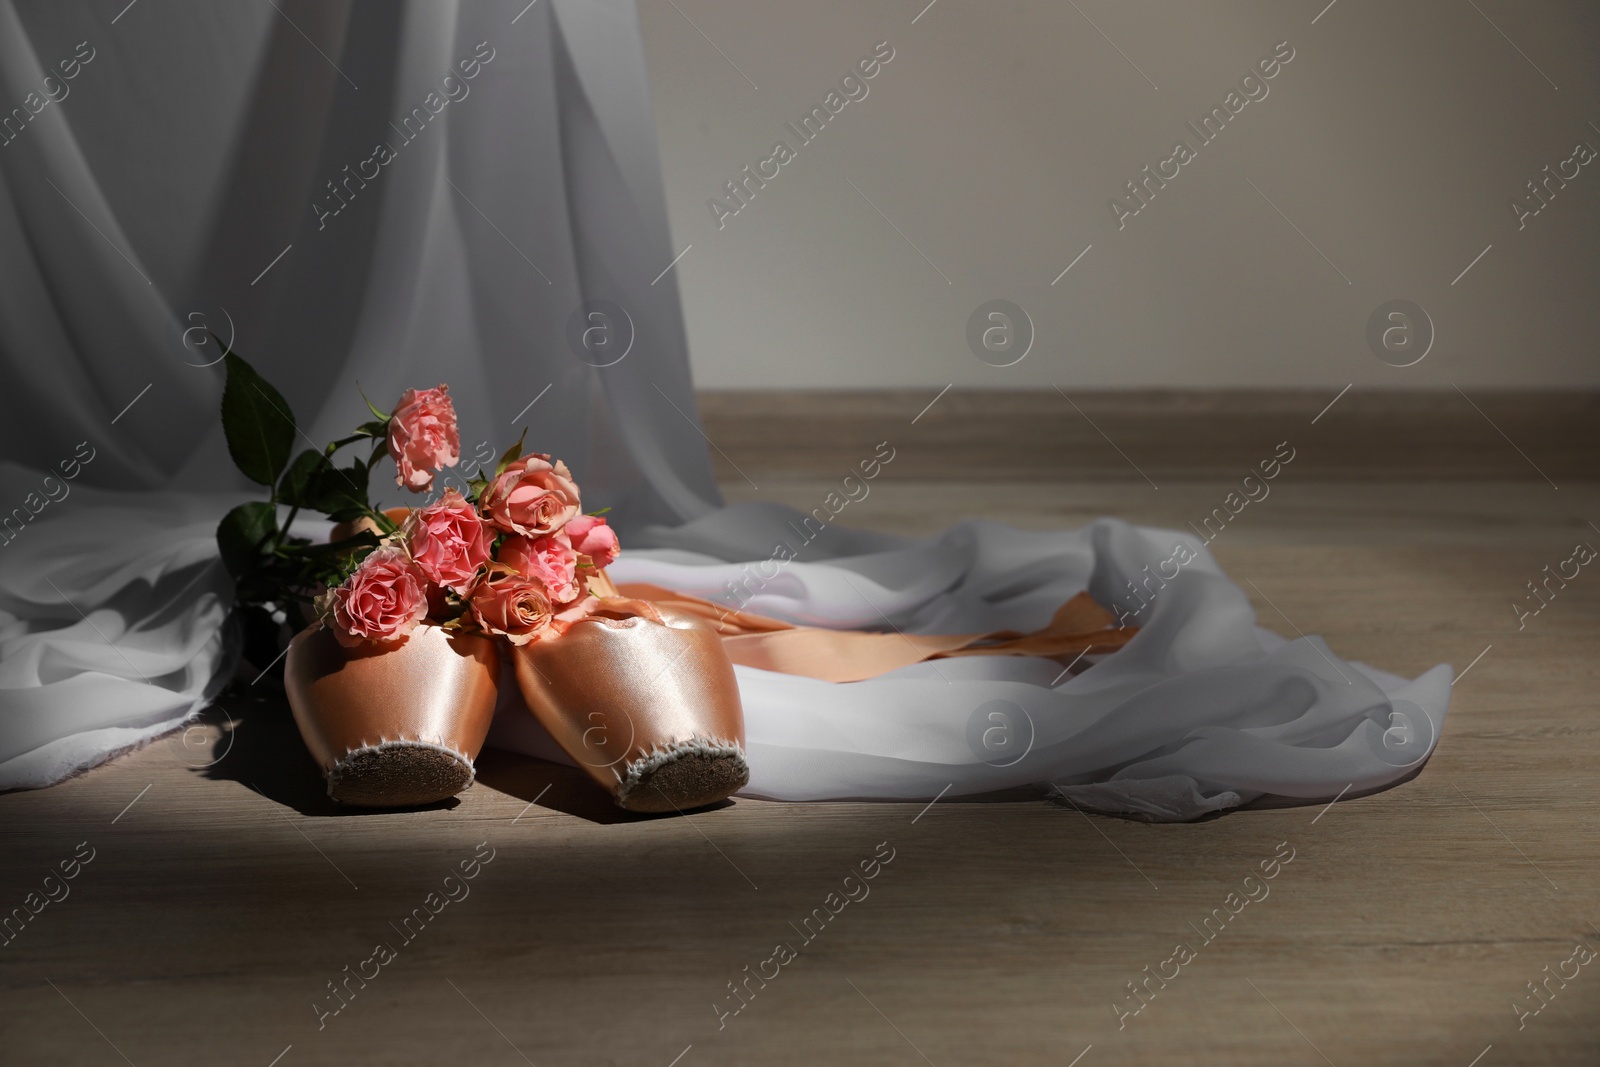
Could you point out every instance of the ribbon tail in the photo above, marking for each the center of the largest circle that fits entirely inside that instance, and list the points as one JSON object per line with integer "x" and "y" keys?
{"x": 751, "y": 640}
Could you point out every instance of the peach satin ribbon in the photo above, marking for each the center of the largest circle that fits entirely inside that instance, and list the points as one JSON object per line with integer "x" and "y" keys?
{"x": 1079, "y": 625}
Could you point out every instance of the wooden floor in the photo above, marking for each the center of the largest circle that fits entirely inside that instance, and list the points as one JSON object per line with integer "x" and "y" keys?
{"x": 222, "y": 899}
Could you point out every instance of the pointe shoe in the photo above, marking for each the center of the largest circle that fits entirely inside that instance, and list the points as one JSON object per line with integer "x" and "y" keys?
{"x": 397, "y": 726}
{"x": 645, "y": 700}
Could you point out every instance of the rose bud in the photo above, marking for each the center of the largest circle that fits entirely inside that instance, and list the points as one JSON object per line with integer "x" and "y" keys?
{"x": 592, "y": 537}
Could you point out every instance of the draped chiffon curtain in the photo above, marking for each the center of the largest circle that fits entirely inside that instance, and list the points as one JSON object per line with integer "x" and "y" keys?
{"x": 182, "y": 185}
{"x": 209, "y": 168}
{"x": 205, "y": 140}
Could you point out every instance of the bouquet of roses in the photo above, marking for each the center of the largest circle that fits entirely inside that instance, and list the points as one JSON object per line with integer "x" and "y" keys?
{"x": 514, "y": 557}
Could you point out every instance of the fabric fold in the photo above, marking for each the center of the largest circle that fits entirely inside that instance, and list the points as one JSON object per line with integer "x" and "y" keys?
{"x": 113, "y": 628}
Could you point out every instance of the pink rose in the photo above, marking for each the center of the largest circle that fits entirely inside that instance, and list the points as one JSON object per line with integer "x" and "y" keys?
{"x": 382, "y": 601}
{"x": 511, "y": 605}
{"x": 448, "y": 541}
{"x": 550, "y": 559}
{"x": 593, "y": 538}
{"x": 532, "y": 497}
{"x": 422, "y": 437}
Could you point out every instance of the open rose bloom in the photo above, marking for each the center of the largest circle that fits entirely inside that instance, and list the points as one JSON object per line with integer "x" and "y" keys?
{"x": 533, "y": 496}
{"x": 550, "y": 559}
{"x": 449, "y": 542}
{"x": 382, "y": 602}
{"x": 512, "y": 606}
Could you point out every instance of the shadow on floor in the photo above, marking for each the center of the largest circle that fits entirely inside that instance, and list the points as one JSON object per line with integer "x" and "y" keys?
{"x": 565, "y": 789}
{"x": 260, "y": 747}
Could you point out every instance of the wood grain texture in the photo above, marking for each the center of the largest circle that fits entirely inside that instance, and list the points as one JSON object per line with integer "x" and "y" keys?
{"x": 1004, "y": 929}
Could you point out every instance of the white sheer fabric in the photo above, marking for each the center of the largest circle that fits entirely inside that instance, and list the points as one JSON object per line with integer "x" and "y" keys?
{"x": 1201, "y": 711}
{"x": 112, "y": 631}
{"x": 201, "y": 141}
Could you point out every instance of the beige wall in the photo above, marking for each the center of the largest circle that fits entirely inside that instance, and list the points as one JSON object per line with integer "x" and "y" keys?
{"x": 1001, "y": 129}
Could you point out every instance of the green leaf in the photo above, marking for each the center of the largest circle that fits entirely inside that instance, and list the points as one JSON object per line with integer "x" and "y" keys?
{"x": 511, "y": 455}
{"x": 317, "y": 554}
{"x": 257, "y": 422}
{"x": 367, "y": 430}
{"x": 297, "y": 485}
{"x": 313, "y": 482}
{"x": 241, "y": 535}
{"x": 341, "y": 493}
{"x": 382, "y": 416}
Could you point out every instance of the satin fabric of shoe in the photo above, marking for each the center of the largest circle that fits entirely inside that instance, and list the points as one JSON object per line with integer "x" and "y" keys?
{"x": 435, "y": 687}
{"x": 628, "y": 681}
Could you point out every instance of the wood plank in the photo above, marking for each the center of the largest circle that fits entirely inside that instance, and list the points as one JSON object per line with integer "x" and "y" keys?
{"x": 1047, "y": 436}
